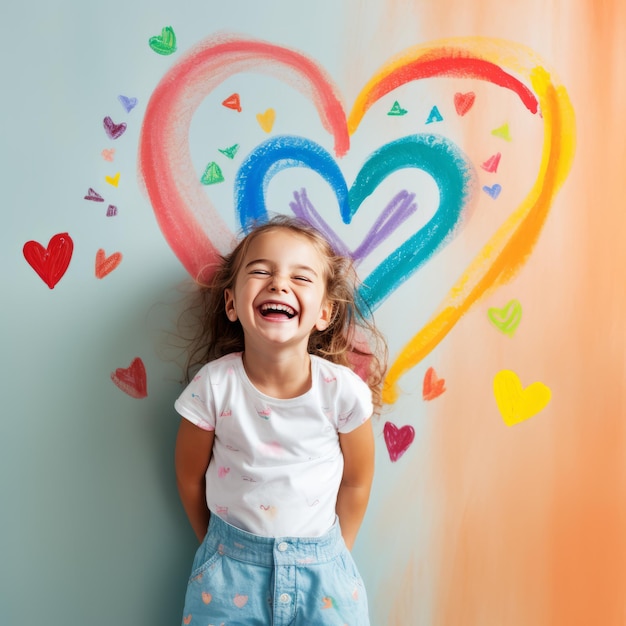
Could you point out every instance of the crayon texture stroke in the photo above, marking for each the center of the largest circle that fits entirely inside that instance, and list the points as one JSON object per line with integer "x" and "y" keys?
{"x": 197, "y": 233}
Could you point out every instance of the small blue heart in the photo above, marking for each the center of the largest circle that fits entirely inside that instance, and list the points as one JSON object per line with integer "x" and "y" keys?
{"x": 493, "y": 191}
{"x": 128, "y": 103}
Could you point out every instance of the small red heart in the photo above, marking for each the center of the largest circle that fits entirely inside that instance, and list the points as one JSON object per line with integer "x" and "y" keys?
{"x": 433, "y": 386}
{"x": 51, "y": 262}
{"x": 463, "y": 102}
{"x": 233, "y": 102}
{"x": 132, "y": 380}
{"x": 397, "y": 439}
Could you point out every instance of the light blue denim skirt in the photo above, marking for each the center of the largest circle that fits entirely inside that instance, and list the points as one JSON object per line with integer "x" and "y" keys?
{"x": 241, "y": 579}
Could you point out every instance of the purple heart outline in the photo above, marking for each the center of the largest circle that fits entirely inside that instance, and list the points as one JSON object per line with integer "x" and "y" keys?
{"x": 401, "y": 207}
{"x": 113, "y": 130}
{"x": 128, "y": 103}
{"x": 433, "y": 154}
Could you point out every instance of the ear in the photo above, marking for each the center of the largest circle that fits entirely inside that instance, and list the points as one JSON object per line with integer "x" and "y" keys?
{"x": 325, "y": 316}
{"x": 229, "y": 308}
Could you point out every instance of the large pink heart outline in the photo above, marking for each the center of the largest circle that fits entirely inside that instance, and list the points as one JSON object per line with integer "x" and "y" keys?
{"x": 199, "y": 236}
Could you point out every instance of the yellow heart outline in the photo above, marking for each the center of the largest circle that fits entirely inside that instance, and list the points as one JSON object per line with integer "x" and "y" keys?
{"x": 507, "y": 250}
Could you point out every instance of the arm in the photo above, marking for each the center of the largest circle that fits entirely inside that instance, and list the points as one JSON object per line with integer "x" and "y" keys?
{"x": 358, "y": 473}
{"x": 193, "y": 453}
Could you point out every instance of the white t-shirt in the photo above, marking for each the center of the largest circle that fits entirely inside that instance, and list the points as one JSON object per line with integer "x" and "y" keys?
{"x": 276, "y": 464}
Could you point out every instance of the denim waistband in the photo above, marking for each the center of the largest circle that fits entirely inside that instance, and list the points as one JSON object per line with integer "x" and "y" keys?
{"x": 243, "y": 546}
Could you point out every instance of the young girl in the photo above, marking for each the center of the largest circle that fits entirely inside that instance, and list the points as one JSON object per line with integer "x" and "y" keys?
{"x": 275, "y": 451}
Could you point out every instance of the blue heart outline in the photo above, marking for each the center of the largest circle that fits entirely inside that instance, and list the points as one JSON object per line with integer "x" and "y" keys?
{"x": 434, "y": 154}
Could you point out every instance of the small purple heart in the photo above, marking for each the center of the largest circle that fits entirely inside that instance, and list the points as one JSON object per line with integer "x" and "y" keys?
{"x": 128, "y": 103}
{"x": 112, "y": 129}
{"x": 94, "y": 196}
{"x": 493, "y": 191}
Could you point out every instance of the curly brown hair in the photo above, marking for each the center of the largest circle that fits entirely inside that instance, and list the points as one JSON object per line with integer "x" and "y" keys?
{"x": 350, "y": 338}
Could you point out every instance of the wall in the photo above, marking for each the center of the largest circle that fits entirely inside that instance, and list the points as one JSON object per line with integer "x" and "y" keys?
{"x": 493, "y": 254}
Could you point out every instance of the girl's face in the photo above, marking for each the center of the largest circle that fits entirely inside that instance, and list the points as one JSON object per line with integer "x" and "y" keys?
{"x": 279, "y": 296}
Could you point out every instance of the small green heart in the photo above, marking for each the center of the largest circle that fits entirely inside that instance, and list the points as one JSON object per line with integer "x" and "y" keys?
{"x": 212, "y": 174}
{"x": 397, "y": 110}
{"x": 165, "y": 43}
{"x": 508, "y": 318}
{"x": 231, "y": 151}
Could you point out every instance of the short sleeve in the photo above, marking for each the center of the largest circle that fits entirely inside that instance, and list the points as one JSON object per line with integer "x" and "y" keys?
{"x": 195, "y": 403}
{"x": 355, "y": 403}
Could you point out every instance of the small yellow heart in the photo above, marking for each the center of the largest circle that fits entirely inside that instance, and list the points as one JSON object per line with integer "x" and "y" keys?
{"x": 113, "y": 180}
{"x": 266, "y": 120}
{"x": 515, "y": 403}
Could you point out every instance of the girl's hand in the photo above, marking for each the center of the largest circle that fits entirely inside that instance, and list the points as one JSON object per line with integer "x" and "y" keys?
{"x": 358, "y": 473}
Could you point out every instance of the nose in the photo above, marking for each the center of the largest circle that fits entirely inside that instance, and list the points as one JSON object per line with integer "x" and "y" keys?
{"x": 278, "y": 283}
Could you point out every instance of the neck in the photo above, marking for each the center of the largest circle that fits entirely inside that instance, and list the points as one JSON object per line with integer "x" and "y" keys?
{"x": 279, "y": 375}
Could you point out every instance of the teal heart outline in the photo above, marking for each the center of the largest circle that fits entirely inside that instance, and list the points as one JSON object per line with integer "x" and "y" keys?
{"x": 434, "y": 154}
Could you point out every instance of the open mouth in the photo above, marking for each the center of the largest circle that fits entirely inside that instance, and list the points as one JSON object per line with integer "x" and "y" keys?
{"x": 275, "y": 310}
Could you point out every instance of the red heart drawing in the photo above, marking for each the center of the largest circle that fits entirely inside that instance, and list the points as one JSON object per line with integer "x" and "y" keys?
{"x": 433, "y": 387}
{"x": 132, "y": 380}
{"x": 183, "y": 209}
{"x": 463, "y": 102}
{"x": 51, "y": 262}
{"x": 397, "y": 439}
{"x": 106, "y": 264}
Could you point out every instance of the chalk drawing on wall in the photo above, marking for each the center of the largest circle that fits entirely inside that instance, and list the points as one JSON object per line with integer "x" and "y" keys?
{"x": 166, "y": 168}
{"x": 516, "y": 403}
{"x": 132, "y": 380}
{"x": 183, "y": 209}
{"x": 106, "y": 264}
{"x": 397, "y": 439}
{"x": 50, "y": 262}
{"x": 507, "y": 318}
{"x": 165, "y": 43}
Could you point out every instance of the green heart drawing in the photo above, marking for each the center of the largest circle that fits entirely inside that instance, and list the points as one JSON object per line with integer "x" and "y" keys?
{"x": 508, "y": 318}
{"x": 165, "y": 43}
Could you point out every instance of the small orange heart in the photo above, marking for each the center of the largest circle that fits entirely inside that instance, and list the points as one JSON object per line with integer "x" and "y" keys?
{"x": 206, "y": 597}
{"x": 106, "y": 264}
{"x": 187, "y": 620}
{"x": 433, "y": 387}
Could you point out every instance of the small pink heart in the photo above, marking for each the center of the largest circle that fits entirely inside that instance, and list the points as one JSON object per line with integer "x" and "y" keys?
{"x": 491, "y": 164}
{"x": 240, "y": 601}
{"x": 108, "y": 154}
{"x": 223, "y": 471}
{"x": 397, "y": 439}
